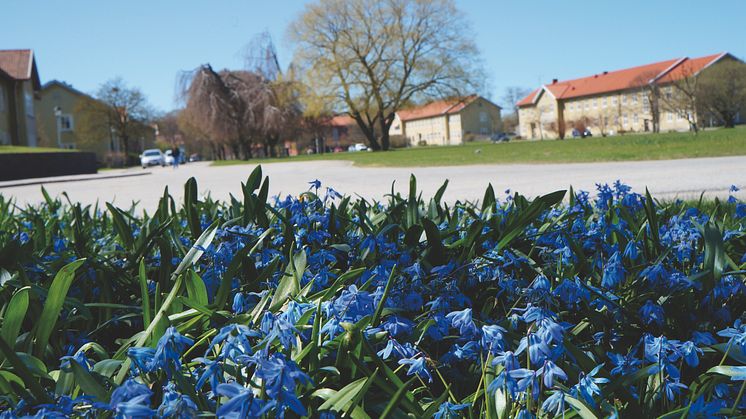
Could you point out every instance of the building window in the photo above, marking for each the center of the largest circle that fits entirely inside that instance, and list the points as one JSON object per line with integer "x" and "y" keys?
{"x": 668, "y": 93}
{"x": 595, "y": 103}
{"x": 603, "y": 102}
{"x": 634, "y": 98}
{"x": 670, "y": 116}
{"x": 2, "y": 98}
{"x": 645, "y": 104}
{"x": 634, "y": 119}
{"x": 586, "y": 105}
{"x": 66, "y": 123}
{"x": 482, "y": 116}
{"x": 29, "y": 104}
{"x": 613, "y": 100}
{"x": 625, "y": 121}
{"x": 624, "y": 99}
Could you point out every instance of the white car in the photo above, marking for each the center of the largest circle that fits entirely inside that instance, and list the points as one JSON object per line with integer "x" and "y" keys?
{"x": 357, "y": 147}
{"x": 168, "y": 157}
{"x": 152, "y": 157}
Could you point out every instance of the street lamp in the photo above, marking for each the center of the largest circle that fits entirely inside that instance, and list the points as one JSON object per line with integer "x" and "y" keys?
{"x": 58, "y": 118}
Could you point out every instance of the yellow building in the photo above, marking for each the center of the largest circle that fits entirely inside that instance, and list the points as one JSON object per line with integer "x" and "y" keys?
{"x": 448, "y": 122}
{"x": 19, "y": 89}
{"x": 638, "y": 99}
{"x": 69, "y": 118}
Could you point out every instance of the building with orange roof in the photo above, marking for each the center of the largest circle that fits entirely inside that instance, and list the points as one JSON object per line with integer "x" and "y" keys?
{"x": 637, "y": 99}
{"x": 19, "y": 90}
{"x": 447, "y": 122}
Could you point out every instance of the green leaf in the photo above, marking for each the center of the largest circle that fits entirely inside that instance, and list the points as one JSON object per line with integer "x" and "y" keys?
{"x": 195, "y": 252}
{"x": 196, "y": 288}
{"x": 583, "y": 410}
{"x": 20, "y": 369}
{"x": 342, "y": 398}
{"x": 53, "y": 305}
{"x": 14, "y": 315}
{"x": 714, "y": 259}
{"x": 516, "y": 226}
{"x": 289, "y": 285}
{"x": 144, "y": 295}
{"x": 87, "y": 383}
{"x": 396, "y": 399}
{"x": 191, "y": 207}
{"x": 728, "y": 370}
{"x": 123, "y": 229}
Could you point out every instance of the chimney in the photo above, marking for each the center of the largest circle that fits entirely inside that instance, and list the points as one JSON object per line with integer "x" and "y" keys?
{"x": 554, "y": 81}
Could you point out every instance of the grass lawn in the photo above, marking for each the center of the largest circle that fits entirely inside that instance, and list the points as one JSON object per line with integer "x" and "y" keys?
{"x": 721, "y": 142}
{"x": 9, "y": 149}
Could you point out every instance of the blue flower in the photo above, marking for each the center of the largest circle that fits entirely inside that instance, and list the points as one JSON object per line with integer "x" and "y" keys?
{"x": 131, "y": 399}
{"x": 449, "y": 410}
{"x": 142, "y": 358}
{"x": 462, "y": 321}
{"x": 417, "y": 366}
{"x": 169, "y": 350}
{"x": 551, "y": 372}
{"x": 737, "y": 335}
{"x": 280, "y": 377}
{"x": 176, "y": 405}
{"x": 315, "y": 184}
{"x": 398, "y": 326}
{"x": 241, "y": 403}
{"x": 613, "y": 272}
{"x": 652, "y": 313}
{"x": 588, "y": 384}
{"x": 702, "y": 409}
{"x": 212, "y": 372}
{"x": 555, "y": 403}
{"x": 493, "y": 338}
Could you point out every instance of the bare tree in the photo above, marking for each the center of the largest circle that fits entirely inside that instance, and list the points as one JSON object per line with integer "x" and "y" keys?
{"x": 681, "y": 96}
{"x": 723, "y": 90}
{"x": 126, "y": 111}
{"x": 651, "y": 93}
{"x": 513, "y": 95}
{"x": 371, "y": 58}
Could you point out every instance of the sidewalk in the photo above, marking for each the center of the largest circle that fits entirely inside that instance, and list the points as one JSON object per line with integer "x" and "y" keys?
{"x": 108, "y": 174}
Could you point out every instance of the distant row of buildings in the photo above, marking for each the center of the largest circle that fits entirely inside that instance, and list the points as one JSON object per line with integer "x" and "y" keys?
{"x": 612, "y": 102}
{"x": 55, "y": 114}
{"x": 443, "y": 122}
{"x": 637, "y": 99}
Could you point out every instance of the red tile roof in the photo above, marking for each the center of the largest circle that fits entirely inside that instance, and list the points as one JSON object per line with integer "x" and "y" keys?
{"x": 440, "y": 107}
{"x": 341, "y": 121}
{"x": 661, "y": 72}
{"x": 17, "y": 63}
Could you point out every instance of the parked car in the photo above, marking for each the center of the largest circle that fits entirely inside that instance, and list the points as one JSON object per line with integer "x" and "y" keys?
{"x": 357, "y": 147}
{"x": 152, "y": 157}
{"x": 195, "y": 157}
{"x": 501, "y": 137}
{"x": 587, "y": 133}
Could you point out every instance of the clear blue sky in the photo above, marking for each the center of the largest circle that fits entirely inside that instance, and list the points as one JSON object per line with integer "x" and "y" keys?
{"x": 86, "y": 42}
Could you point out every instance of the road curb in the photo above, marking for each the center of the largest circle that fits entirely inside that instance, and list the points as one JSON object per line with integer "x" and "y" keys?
{"x": 32, "y": 182}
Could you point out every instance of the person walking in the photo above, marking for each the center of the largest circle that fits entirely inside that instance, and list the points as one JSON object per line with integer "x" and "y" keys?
{"x": 176, "y": 154}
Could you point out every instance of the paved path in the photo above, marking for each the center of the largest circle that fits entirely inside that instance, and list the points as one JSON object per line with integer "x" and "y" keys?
{"x": 685, "y": 178}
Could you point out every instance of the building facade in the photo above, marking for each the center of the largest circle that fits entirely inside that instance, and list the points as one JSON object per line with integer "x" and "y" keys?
{"x": 646, "y": 98}
{"x": 19, "y": 92}
{"x": 69, "y": 118}
{"x": 448, "y": 122}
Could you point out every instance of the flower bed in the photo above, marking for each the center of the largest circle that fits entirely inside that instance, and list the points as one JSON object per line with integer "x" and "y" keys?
{"x": 326, "y": 306}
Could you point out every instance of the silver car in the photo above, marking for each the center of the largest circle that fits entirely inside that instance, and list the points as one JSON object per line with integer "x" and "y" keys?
{"x": 152, "y": 157}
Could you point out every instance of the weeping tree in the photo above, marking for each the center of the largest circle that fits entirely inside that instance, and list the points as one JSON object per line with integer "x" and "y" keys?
{"x": 227, "y": 105}
{"x": 243, "y": 110}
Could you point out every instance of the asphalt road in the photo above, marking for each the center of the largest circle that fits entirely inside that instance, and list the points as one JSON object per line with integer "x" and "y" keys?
{"x": 685, "y": 178}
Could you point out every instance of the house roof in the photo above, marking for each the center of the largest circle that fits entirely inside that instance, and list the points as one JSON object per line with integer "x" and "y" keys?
{"x": 341, "y": 121}
{"x": 610, "y": 81}
{"x": 19, "y": 64}
{"x": 67, "y": 87}
{"x": 437, "y": 108}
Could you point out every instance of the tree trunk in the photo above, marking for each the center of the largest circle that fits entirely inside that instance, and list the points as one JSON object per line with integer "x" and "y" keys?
{"x": 125, "y": 146}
